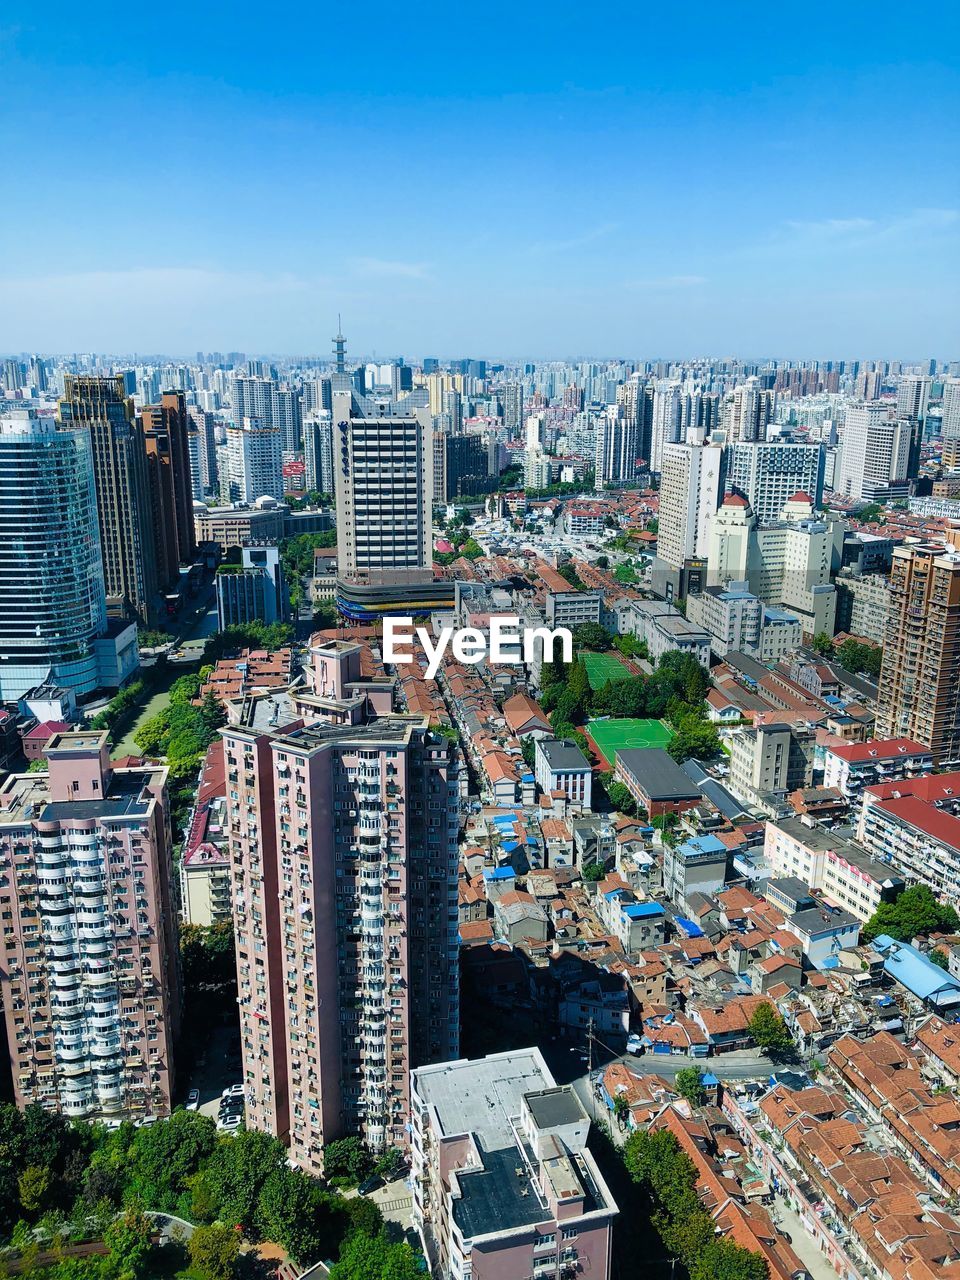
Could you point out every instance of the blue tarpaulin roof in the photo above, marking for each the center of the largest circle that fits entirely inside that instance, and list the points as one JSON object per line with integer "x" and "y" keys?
{"x": 914, "y": 971}
{"x": 499, "y": 873}
{"x": 689, "y": 928}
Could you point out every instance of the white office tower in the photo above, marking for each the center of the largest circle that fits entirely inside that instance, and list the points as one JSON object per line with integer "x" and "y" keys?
{"x": 769, "y": 473}
{"x": 874, "y": 454}
{"x": 254, "y": 461}
{"x": 691, "y": 489}
{"x": 913, "y": 393}
{"x": 251, "y": 398}
{"x": 747, "y": 410}
{"x": 667, "y": 411}
{"x": 318, "y": 451}
{"x": 616, "y": 446}
{"x": 52, "y": 599}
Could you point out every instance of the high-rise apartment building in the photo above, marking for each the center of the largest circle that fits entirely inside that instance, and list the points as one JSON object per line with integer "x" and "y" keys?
{"x": 90, "y": 979}
{"x": 747, "y": 411}
{"x": 665, "y": 429}
{"x": 166, "y": 439}
{"x": 769, "y": 473}
{"x": 101, "y": 406}
{"x": 616, "y": 456}
{"x": 920, "y": 679}
{"x": 344, "y": 848}
{"x": 951, "y": 422}
{"x": 202, "y": 449}
{"x": 875, "y": 450}
{"x": 913, "y": 392}
{"x": 254, "y": 461}
{"x": 318, "y": 452}
{"x": 52, "y": 598}
{"x": 510, "y": 395}
{"x": 691, "y": 490}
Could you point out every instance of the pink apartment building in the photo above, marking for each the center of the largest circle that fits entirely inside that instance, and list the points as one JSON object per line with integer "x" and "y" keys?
{"x": 504, "y": 1186}
{"x": 343, "y": 845}
{"x": 88, "y": 974}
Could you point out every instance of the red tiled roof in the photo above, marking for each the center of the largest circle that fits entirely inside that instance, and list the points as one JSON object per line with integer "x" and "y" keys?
{"x": 878, "y": 749}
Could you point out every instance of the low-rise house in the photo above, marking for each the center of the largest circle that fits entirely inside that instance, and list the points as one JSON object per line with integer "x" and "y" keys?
{"x": 775, "y": 970}
{"x": 824, "y": 932}
{"x": 853, "y": 766}
{"x": 518, "y": 918}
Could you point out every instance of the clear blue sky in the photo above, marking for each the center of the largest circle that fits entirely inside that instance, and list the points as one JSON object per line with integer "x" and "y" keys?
{"x": 495, "y": 180}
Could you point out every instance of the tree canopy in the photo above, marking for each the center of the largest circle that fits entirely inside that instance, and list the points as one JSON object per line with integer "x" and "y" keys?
{"x": 914, "y": 914}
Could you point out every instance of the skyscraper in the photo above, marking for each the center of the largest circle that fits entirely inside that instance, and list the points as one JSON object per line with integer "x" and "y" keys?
{"x": 747, "y": 411}
{"x": 165, "y": 432}
{"x": 667, "y": 404}
{"x": 344, "y": 849}
{"x": 52, "y": 598}
{"x": 383, "y": 456}
{"x": 100, "y": 405}
{"x": 874, "y": 454}
{"x": 90, "y": 980}
{"x": 951, "y": 422}
{"x": 691, "y": 490}
{"x": 769, "y": 473}
{"x": 318, "y": 452}
{"x": 913, "y": 392}
{"x": 254, "y": 461}
{"x": 616, "y": 454}
{"x": 920, "y": 679}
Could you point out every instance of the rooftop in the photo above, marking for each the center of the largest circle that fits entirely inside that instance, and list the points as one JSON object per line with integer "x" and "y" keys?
{"x": 563, "y": 755}
{"x": 657, "y": 774}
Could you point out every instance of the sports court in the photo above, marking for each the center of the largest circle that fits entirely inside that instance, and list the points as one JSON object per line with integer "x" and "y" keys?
{"x": 602, "y": 667}
{"x": 612, "y": 736}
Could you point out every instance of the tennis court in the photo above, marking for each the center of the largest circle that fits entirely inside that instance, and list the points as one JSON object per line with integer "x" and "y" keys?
{"x": 602, "y": 667}
{"x": 612, "y": 736}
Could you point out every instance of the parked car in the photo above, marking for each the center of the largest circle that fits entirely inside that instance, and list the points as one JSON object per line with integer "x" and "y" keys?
{"x": 193, "y": 1100}
{"x": 230, "y": 1122}
{"x": 233, "y": 1091}
{"x": 369, "y": 1184}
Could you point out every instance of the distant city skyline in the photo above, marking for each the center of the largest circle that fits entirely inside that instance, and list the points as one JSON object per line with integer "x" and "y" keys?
{"x": 530, "y": 184}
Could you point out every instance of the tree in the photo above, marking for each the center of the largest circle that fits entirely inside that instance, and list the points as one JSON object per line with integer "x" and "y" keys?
{"x": 162, "y": 1157}
{"x": 590, "y": 635}
{"x": 939, "y": 957}
{"x": 822, "y": 643}
{"x": 128, "y": 1239}
{"x": 621, "y": 1109}
{"x": 569, "y": 574}
{"x": 694, "y": 737}
{"x": 727, "y": 1260}
{"x": 619, "y": 796}
{"x": 245, "y": 1161}
{"x": 690, "y": 1086}
{"x": 390, "y": 1164}
{"x": 593, "y": 871}
{"x": 471, "y": 549}
{"x": 366, "y": 1257}
{"x": 871, "y": 513}
{"x": 296, "y": 1212}
{"x": 769, "y": 1031}
{"x": 213, "y": 1251}
{"x": 602, "y": 562}
{"x": 857, "y": 657}
{"x": 34, "y": 1187}
{"x": 915, "y": 914}
{"x": 347, "y": 1158}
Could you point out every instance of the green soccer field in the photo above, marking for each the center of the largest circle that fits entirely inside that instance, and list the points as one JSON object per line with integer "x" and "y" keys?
{"x": 612, "y": 736}
{"x": 602, "y": 667}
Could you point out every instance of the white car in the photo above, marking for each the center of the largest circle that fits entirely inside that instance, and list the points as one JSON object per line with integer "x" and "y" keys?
{"x": 233, "y": 1091}
{"x": 230, "y": 1123}
{"x": 193, "y": 1100}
